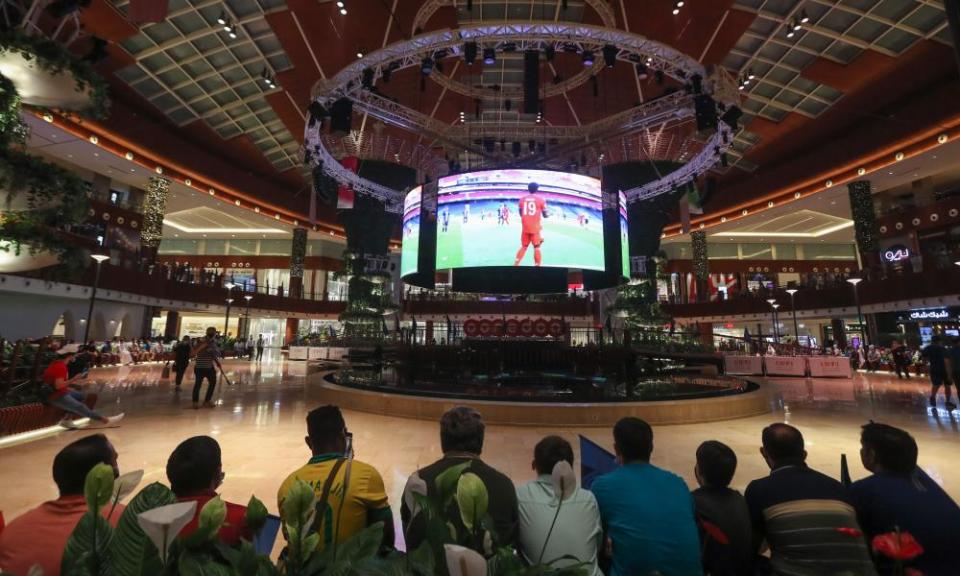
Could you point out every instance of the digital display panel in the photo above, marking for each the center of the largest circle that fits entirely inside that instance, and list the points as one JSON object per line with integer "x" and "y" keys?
{"x": 410, "y": 248}
{"x": 493, "y": 218}
{"x": 624, "y": 237}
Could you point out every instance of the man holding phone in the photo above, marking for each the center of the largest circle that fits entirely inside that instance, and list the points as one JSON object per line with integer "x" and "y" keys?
{"x": 64, "y": 393}
{"x": 206, "y": 361}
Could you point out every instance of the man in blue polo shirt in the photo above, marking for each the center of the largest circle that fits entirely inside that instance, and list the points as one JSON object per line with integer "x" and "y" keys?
{"x": 647, "y": 512}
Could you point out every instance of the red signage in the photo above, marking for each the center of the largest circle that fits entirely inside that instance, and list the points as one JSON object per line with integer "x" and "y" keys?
{"x": 513, "y": 328}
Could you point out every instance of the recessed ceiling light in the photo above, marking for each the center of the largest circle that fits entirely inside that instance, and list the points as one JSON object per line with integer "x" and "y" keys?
{"x": 129, "y": 155}
{"x": 942, "y": 139}
{"x": 94, "y": 139}
{"x": 861, "y": 171}
{"x": 188, "y": 182}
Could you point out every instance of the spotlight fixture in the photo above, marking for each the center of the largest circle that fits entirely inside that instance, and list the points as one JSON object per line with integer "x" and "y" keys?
{"x": 470, "y": 52}
{"x": 642, "y": 71}
{"x": 341, "y": 4}
{"x": 359, "y": 52}
{"x": 610, "y": 55}
{"x": 750, "y": 74}
{"x": 489, "y": 56}
{"x": 222, "y": 18}
{"x": 803, "y": 17}
{"x": 232, "y": 35}
{"x": 942, "y": 139}
{"x": 426, "y": 66}
{"x": 587, "y": 58}
{"x": 268, "y": 78}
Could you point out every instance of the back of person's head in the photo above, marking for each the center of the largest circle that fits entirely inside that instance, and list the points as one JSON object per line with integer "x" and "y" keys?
{"x": 533, "y": 187}
{"x": 783, "y": 442}
{"x": 634, "y": 439}
{"x": 716, "y": 464}
{"x": 888, "y": 449}
{"x": 461, "y": 430}
{"x": 75, "y": 460}
{"x": 549, "y": 451}
{"x": 326, "y": 430}
{"x": 194, "y": 466}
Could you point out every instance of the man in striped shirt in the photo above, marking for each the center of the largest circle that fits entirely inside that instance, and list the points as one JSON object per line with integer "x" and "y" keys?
{"x": 807, "y": 518}
{"x": 206, "y": 358}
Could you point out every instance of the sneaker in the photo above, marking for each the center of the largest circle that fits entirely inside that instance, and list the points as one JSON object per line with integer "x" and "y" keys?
{"x": 950, "y": 405}
{"x": 114, "y": 419}
{"x": 69, "y": 424}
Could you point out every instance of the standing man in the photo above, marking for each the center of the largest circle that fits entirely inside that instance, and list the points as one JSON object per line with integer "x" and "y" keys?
{"x": 207, "y": 354}
{"x": 259, "y": 347}
{"x": 181, "y": 358}
{"x": 936, "y": 355}
{"x": 504, "y": 219}
{"x": 900, "y": 359}
{"x": 445, "y": 219}
{"x": 532, "y": 207}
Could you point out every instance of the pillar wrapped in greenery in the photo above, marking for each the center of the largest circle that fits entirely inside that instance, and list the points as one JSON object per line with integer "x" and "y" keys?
{"x": 298, "y": 253}
{"x": 864, "y": 222}
{"x": 154, "y": 207}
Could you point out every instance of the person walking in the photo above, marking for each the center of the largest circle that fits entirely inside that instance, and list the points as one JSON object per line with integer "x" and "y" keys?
{"x": 936, "y": 356}
{"x": 207, "y": 355}
{"x": 259, "y": 347}
{"x": 901, "y": 359}
{"x": 181, "y": 358}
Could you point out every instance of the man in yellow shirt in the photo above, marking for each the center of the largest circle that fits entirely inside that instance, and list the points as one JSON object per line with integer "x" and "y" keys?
{"x": 355, "y": 495}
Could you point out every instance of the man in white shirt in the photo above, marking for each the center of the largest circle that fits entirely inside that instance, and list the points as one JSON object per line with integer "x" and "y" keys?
{"x": 577, "y": 531}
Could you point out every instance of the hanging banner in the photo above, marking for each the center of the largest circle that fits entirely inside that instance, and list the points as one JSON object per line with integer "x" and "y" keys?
{"x": 747, "y": 365}
{"x": 785, "y": 365}
{"x": 829, "y": 367}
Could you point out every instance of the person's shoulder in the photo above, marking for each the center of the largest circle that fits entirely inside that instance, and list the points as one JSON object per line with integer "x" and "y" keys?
{"x": 362, "y": 467}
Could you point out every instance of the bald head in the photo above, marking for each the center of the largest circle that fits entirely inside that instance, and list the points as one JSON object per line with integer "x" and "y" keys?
{"x": 782, "y": 443}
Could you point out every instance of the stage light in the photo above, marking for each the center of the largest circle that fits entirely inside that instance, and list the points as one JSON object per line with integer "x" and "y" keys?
{"x": 222, "y": 18}
{"x": 359, "y": 52}
{"x": 642, "y": 71}
{"x": 803, "y": 17}
{"x": 610, "y": 55}
{"x": 470, "y": 53}
{"x": 489, "y": 56}
{"x": 340, "y": 4}
{"x": 676, "y": 11}
{"x": 426, "y": 66}
{"x": 343, "y": 11}
{"x": 232, "y": 35}
{"x": 750, "y": 75}
{"x": 587, "y": 58}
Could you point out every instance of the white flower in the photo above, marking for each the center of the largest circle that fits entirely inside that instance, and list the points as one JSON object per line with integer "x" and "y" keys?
{"x": 415, "y": 485}
{"x": 563, "y": 479}
{"x": 163, "y": 524}
{"x": 464, "y": 561}
{"x": 125, "y": 484}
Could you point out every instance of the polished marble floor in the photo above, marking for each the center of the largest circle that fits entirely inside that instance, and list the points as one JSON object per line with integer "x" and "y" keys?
{"x": 259, "y": 422}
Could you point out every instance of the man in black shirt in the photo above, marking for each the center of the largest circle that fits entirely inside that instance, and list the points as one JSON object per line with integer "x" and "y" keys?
{"x": 719, "y": 507}
{"x": 936, "y": 356}
{"x": 181, "y": 358}
{"x": 461, "y": 439}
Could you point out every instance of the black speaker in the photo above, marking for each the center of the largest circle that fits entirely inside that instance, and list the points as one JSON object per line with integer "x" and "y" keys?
{"x": 706, "y": 110}
{"x": 341, "y": 117}
{"x": 531, "y": 81}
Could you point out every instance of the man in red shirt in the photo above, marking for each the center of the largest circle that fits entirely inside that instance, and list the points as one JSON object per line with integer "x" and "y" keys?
{"x": 38, "y": 537}
{"x": 57, "y": 377}
{"x": 195, "y": 471}
{"x": 532, "y": 207}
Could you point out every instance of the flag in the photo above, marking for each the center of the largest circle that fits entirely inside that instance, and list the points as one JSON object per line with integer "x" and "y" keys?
{"x": 595, "y": 461}
{"x": 345, "y": 194}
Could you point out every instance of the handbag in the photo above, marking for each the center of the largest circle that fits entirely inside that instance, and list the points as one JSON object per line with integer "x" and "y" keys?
{"x": 165, "y": 374}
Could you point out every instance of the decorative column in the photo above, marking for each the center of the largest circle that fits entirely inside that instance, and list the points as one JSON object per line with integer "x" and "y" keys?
{"x": 172, "y": 326}
{"x": 298, "y": 253}
{"x": 154, "y": 207}
{"x": 864, "y": 223}
{"x": 701, "y": 266}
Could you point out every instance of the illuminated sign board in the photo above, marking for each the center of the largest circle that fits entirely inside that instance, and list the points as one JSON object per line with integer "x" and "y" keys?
{"x": 929, "y": 315}
{"x": 896, "y": 253}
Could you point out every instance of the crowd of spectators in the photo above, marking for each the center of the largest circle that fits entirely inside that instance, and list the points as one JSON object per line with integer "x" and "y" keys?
{"x": 638, "y": 519}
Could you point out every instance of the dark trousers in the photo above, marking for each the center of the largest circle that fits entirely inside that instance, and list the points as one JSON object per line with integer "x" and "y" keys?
{"x": 901, "y": 369}
{"x": 259, "y": 352}
{"x": 179, "y": 370}
{"x": 211, "y": 375}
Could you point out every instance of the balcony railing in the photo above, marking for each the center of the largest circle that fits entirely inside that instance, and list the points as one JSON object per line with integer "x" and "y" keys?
{"x": 557, "y": 306}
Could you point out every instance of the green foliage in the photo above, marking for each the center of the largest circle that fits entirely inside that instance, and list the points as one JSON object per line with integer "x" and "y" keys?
{"x": 12, "y": 129}
{"x": 133, "y": 553}
{"x": 53, "y": 58}
{"x": 472, "y": 499}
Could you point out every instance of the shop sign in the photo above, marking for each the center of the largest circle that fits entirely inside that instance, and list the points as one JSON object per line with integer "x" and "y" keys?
{"x": 929, "y": 315}
{"x": 896, "y": 253}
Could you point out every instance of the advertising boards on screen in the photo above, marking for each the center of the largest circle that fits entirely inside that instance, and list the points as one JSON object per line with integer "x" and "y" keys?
{"x": 624, "y": 237}
{"x": 492, "y": 218}
{"x": 410, "y": 247}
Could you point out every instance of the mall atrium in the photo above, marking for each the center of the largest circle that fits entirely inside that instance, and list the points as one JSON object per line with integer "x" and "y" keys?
{"x": 404, "y": 248}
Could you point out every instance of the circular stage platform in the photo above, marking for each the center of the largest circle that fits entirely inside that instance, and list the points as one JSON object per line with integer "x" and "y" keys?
{"x": 751, "y": 402}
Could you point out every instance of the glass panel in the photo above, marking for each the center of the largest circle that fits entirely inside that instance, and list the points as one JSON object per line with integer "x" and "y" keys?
{"x": 168, "y": 246}
{"x": 215, "y": 247}
{"x": 756, "y": 251}
{"x": 678, "y": 251}
{"x": 828, "y": 252}
{"x": 721, "y": 251}
{"x": 273, "y": 278}
{"x": 786, "y": 251}
{"x": 243, "y": 247}
{"x": 336, "y": 290}
{"x": 275, "y": 247}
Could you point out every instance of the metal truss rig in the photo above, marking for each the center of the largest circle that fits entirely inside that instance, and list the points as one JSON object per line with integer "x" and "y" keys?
{"x": 348, "y": 83}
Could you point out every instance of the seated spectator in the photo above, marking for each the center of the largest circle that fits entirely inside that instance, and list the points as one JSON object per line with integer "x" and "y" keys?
{"x": 62, "y": 394}
{"x": 354, "y": 506}
{"x": 900, "y": 495}
{"x": 195, "y": 471}
{"x": 647, "y": 512}
{"x": 38, "y": 537}
{"x": 719, "y": 506}
{"x": 577, "y": 531}
{"x": 807, "y": 518}
{"x": 461, "y": 439}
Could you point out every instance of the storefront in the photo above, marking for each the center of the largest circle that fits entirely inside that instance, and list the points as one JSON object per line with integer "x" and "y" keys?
{"x": 923, "y": 324}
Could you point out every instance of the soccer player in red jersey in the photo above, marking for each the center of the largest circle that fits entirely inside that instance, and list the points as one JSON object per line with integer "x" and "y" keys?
{"x": 532, "y": 207}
